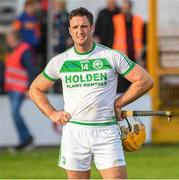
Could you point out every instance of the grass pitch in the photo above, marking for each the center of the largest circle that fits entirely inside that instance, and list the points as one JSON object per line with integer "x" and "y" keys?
{"x": 159, "y": 162}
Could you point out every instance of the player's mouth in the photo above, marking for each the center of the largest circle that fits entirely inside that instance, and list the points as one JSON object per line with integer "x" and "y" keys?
{"x": 81, "y": 37}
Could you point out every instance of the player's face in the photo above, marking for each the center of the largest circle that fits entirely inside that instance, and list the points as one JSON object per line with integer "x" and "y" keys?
{"x": 81, "y": 30}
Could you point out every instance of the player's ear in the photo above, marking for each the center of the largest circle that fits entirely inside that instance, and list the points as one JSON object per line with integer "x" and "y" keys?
{"x": 69, "y": 31}
{"x": 93, "y": 28}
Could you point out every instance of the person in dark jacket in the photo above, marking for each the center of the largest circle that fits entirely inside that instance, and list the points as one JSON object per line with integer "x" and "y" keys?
{"x": 104, "y": 25}
{"x": 61, "y": 25}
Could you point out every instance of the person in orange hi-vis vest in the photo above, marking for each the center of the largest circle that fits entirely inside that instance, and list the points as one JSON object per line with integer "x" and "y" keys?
{"x": 128, "y": 36}
{"x": 19, "y": 72}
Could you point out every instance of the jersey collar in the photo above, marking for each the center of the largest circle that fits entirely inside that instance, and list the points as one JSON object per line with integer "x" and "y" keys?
{"x": 84, "y": 53}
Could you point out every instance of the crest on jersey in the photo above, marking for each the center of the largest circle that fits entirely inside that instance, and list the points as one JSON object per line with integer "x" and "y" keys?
{"x": 97, "y": 64}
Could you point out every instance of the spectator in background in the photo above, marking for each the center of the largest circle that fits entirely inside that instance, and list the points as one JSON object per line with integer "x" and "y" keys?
{"x": 61, "y": 25}
{"x": 142, "y": 59}
{"x": 104, "y": 25}
{"x": 41, "y": 15}
{"x": 28, "y": 25}
{"x": 1, "y": 76}
{"x": 44, "y": 5}
{"x": 128, "y": 32}
{"x": 19, "y": 72}
{"x": 128, "y": 36}
{"x": 3, "y": 50}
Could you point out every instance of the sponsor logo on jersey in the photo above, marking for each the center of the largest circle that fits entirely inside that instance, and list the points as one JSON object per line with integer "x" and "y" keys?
{"x": 86, "y": 78}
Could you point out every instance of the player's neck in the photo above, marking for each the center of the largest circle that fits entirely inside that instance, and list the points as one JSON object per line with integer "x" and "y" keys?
{"x": 84, "y": 48}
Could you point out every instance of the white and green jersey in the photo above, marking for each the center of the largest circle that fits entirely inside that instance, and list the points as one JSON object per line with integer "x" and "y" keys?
{"x": 89, "y": 82}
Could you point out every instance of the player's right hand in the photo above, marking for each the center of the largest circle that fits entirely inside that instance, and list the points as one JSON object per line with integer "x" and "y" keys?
{"x": 60, "y": 117}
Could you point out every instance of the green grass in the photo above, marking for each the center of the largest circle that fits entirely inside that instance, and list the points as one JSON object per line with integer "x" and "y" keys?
{"x": 160, "y": 162}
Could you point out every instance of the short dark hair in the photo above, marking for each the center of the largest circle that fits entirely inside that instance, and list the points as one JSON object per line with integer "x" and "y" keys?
{"x": 81, "y": 12}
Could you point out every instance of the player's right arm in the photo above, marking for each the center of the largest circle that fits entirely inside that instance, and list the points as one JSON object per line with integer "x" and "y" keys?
{"x": 37, "y": 93}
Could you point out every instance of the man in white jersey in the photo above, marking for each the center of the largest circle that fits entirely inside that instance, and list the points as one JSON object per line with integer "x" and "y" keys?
{"x": 89, "y": 76}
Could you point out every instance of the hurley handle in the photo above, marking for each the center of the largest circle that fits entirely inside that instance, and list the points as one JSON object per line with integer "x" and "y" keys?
{"x": 168, "y": 114}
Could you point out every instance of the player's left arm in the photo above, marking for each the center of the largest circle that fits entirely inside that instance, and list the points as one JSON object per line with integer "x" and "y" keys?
{"x": 141, "y": 82}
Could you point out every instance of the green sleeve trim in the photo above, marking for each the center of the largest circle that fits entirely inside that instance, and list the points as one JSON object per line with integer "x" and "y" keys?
{"x": 125, "y": 57}
{"x": 48, "y": 77}
{"x": 94, "y": 124}
{"x": 129, "y": 70}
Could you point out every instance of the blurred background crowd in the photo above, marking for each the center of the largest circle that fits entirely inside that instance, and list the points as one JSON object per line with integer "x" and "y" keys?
{"x": 39, "y": 31}
{"x": 33, "y": 31}
{"x": 116, "y": 27}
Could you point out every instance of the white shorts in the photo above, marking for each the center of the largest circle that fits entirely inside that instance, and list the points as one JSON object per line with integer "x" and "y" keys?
{"x": 81, "y": 145}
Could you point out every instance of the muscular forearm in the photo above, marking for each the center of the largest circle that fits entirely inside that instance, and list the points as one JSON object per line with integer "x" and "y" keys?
{"x": 141, "y": 82}
{"x": 136, "y": 90}
{"x": 41, "y": 100}
{"x": 37, "y": 93}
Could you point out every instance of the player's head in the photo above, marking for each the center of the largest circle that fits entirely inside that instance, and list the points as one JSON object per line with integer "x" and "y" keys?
{"x": 81, "y": 26}
{"x": 126, "y": 6}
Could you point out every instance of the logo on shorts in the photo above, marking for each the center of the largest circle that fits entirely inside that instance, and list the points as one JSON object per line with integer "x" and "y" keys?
{"x": 63, "y": 160}
{"x": 117, "y": 161}
{"x": 97, "y": 64}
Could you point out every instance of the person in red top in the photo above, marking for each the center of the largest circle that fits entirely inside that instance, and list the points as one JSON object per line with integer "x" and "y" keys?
{"x": 19, "y": 72}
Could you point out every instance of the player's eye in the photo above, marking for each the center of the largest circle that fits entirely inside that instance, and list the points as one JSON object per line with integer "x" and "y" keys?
{"x": 84, "y": 26}
{"x": 75, "y": 27}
